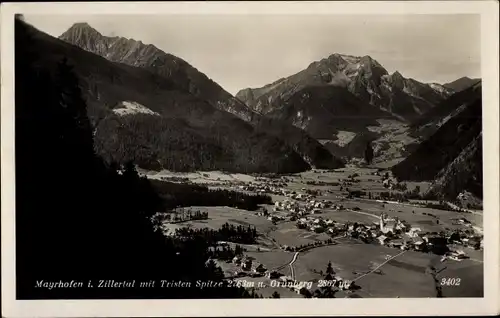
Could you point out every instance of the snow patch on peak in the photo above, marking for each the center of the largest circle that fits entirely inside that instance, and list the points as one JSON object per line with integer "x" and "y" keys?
{"x": 351, "y": 59}
{"x": 438, "y": 88}
{"x": 132, "y": 108}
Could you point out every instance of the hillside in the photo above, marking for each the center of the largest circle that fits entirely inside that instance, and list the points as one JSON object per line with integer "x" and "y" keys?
{"x": 464, "y": 173}
{"x": 452, "y": 155}
{"x": 462, "y": 83}
{"x": 198, "y": 136}
{"x": 323, "y": 111}
{"x": 425, "y": 125}
{"x": 192, "y": 86}
{"x": 344, "y": 123}
{"x": 362, "y": 76}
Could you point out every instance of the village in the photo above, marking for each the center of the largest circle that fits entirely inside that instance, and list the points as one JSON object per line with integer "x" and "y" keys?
{"x": 336, "y": 210}
{"x": 305, "y": 209}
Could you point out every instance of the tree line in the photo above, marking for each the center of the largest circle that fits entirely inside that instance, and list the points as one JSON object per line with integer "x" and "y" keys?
{"x": 228, "y": 232}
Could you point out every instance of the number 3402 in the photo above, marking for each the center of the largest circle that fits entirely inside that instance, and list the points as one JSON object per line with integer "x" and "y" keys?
{"x": 450, "y": 281}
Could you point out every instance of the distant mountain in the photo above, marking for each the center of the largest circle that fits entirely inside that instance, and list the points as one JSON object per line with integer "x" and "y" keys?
{"x": 190, "y": 81}
{"x": 452, "y": 155}
{"x": 462, "y": 83}
{"x": 362, "y": 76}
{"x": 141, "y": 116}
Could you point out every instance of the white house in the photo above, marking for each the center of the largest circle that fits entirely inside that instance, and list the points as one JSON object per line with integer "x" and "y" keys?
{"x": 382, "y": 239}
{"x": 413, "y": 232}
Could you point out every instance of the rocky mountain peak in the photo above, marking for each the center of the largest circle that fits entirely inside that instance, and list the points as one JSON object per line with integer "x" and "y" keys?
{"x": 336, "y": 57}
{"x": 81, "y": 28}
{"x": 178, "y": 71}
{"x": 397, "y": 79}
{"x": 368, "y": 60}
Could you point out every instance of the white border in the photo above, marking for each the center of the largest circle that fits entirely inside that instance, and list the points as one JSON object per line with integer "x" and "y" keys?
{"x": 488, "y": 305}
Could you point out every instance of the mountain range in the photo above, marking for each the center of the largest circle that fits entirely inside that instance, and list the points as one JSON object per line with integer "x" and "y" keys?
{"x": 159, "y": 111}
{"x": 355, "y": 101}
{"x": 363, "y": 77}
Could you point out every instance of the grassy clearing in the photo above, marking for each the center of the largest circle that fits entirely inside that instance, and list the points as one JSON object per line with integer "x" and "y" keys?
{"x": 396, "y": 280}
{"x": 289, "y": 234}
{"x": 348, "y": 216}
{"x": 348, "y": 260}
{"x": 200, "y": 176}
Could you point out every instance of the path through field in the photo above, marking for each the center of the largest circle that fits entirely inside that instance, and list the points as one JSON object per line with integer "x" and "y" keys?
{"x": 365, "y": 213}
{"x": 292, "y": 271}
{"x": 388, "y": 260}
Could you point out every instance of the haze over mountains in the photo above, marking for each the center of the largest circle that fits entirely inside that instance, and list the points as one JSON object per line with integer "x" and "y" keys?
{"x": 158, "y": 110}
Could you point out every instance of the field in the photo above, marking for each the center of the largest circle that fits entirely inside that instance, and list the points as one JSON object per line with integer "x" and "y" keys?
{"x": 349, "y": 260}
{"x": 217, "y": 216}
{"x": 378, "y": 270}
{"x": 288, "y": 234}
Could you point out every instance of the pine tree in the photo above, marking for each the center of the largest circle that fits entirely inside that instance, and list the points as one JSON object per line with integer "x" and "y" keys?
{"x": 368, "y": 153}
{"x": 329, "y": 269}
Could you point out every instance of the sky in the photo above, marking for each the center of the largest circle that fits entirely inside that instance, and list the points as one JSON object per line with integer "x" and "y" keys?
{"x": 241, "y": 51}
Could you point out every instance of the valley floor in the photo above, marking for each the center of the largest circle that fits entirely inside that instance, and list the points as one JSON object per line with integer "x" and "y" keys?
{"x": 301, "y": 255}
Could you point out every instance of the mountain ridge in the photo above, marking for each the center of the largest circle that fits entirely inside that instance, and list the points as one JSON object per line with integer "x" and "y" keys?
{"x": 462, "y": 83}
{"x": 135, "y": 53}
{"x": 363, "y": 76}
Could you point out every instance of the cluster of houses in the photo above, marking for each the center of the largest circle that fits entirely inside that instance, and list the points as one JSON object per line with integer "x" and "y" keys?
{"x": 266, "y": 188}
{"x": 248, "y": 267}
{"x": 396, "y": 233}
{"x": 320, "y": 225}
{"x": 309, "y": 206}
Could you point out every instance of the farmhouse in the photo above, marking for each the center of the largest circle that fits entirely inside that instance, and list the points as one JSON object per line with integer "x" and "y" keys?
{"x": 246, "y": 265}
{"x": 259, "y": 269}
{"x": 383, "y": 239}
{"x": 419, "y": 245}
{"x": 396, "y": 243}
{"x": 413, "y": 232}
{"x": 273, "y": 274}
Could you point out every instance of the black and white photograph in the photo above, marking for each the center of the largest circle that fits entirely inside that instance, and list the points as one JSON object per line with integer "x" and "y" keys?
{"x": 282, "y": 155}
